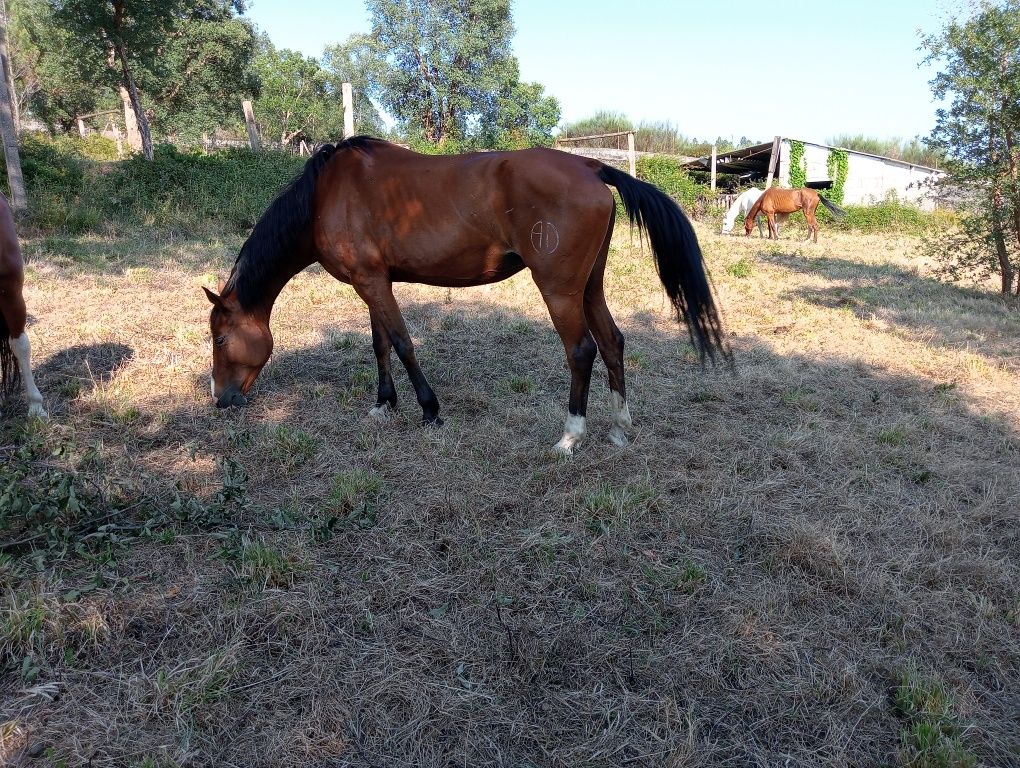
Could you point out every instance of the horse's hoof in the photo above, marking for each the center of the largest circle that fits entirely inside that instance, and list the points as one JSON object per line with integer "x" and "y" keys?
{"x": 562, "y": 449}
{"x": 382, "y": 412}
{"x": 36, "y": 411}
{"x": 435, "y": 421}
{"x": 617, "y": 437}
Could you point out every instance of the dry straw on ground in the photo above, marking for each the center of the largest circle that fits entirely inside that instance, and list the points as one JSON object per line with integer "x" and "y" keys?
{"x": 756, "y": 580}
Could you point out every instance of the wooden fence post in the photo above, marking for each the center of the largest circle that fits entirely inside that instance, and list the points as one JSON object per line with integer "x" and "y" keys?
{"x": 249, "y": 123}
{"x": 773, "y": 160}
{"x": 631, "y": 154}
{"x": 348, "y": 95}
{"x": 713, "y": 166}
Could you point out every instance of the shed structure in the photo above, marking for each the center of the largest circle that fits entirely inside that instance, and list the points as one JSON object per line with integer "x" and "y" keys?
{"x": 870, "y": 178}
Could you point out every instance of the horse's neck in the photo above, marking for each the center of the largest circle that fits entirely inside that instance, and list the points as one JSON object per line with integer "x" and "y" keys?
{"x": 731, "y": 214}
{"x": 272, "y": 279}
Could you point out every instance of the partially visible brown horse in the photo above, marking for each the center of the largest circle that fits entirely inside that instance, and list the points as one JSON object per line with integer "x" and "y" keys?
{"x": 15, "y": 350}
{"x": 782, "y": 202}
{"x": 372, "y": 213}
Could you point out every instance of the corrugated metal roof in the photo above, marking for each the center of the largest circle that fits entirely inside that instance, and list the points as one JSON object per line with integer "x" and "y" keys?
{"x": 755, "y": 159}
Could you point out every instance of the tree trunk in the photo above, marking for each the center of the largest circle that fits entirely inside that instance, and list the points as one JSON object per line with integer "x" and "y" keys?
{"x": 134, "y": 137}
{"x": 10, "y": 139}
{"x": 127, "y": 87}
{"x": 998, "y": 229}
{"x": 8, "y": 68}
{"x": 1005, "y": 268}
{"x": 1007, "y": 134}
{"x": 136, "y": 106}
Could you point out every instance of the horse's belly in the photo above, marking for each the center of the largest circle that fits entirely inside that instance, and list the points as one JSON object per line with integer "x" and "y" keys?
{"x": 457, "y": 271}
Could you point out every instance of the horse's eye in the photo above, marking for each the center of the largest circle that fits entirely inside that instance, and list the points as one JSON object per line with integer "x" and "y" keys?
{"x": 220, "y": 341}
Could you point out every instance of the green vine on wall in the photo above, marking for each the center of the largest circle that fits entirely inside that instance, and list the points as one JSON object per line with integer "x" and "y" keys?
{"x": 838, "y": 167}
{"x": 798, "y": 174}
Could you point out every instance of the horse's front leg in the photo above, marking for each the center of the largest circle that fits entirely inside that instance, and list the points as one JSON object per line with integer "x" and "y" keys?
{"x": 22, "y": 349}
{"x": 377, "y": 293}
{"x": 15, "y": 316}
{"x": 773, "y": 228}
{"x": 386, "y": 402}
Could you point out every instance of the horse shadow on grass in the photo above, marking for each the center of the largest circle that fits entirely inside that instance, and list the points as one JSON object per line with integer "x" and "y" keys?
{"x": 774, "y": 547}
{"x": 916, "y": 306}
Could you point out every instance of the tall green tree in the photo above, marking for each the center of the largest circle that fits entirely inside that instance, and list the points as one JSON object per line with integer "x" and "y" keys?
{"x": 357, "y": 62}
{"x": 449, "y": 72}
{"x": 979, "y": 134}
{"x": 184, "y": 55}
{"x": 203, "y": 70}
{"x": 56, "y": 78}
{"x": 295, "y": 100}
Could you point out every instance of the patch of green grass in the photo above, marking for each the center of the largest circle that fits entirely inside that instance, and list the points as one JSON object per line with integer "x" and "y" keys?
{"x": 184, "y": 690}
{"x": 521, "y": 385}
{"x": 931, "y": 737}
{"x": 291, "y": 447}
{"x": 606, "y": 507}
{"x": 741, "y": 268}
{"x": 353, "y": 504}
{"x": 896, "y": 435}
{"x": 22, "y": 620}
{"x": 637, "y": 360}
{"x": 258, "y": 563}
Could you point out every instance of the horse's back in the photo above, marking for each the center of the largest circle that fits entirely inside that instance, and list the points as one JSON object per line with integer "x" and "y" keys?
{"x": 457, "y": 219}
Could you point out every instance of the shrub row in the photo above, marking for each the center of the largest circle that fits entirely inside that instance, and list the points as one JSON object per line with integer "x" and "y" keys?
{"x": 76, "y": 186}
{"x": 73, "y": 187}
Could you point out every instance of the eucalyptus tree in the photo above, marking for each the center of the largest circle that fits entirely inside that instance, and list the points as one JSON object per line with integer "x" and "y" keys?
{"x": 447, "y": 71}
{"x": 979, "y": 134}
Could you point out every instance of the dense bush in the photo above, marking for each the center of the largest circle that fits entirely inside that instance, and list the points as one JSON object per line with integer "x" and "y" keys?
{"x": 73, "y": 188}
{"x": 888, "y": 216}
{"x": 667, "y": 174}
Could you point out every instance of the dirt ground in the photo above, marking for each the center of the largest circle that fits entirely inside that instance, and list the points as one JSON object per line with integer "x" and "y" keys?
{"x": 813, "y": 562}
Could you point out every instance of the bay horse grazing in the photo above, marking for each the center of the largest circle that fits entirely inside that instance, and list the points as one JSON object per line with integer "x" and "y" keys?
{"x": 742, "y": 205}
{"x": 372, "y": 213}
{"x": 15, "y": 349}
{"x": 782, "y": 202}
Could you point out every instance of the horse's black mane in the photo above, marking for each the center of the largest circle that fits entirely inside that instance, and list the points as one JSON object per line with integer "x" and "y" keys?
{"x": 281, "y": 229}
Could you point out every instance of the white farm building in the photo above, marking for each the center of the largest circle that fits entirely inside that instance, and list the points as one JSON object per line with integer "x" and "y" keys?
{"x": 869, "y": 178}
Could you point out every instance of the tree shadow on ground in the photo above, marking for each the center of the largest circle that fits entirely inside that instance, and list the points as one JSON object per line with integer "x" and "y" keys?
{"x": 118, "y": 253}
{"x": 742, "y": 585}
{"x": 951, "y": 315}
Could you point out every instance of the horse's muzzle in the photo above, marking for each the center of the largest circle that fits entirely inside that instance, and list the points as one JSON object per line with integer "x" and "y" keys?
{"x": 231, "y": 397}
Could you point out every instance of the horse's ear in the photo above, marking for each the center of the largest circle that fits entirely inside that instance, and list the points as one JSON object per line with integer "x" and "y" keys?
{"x": 214, "y": 298}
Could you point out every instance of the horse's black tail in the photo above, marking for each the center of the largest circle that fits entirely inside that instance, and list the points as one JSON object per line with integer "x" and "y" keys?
{"x": 10, "y": 374}
{"x": 834, "y": 209}
{"x": 677, "y": 257}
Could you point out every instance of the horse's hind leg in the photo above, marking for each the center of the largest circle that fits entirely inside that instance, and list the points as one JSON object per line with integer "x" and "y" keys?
{"x": 610, "y": 343}
{"x": 378, "y": 295}
{"x": 809, "y": 214}
{"x": 567, "y": 314}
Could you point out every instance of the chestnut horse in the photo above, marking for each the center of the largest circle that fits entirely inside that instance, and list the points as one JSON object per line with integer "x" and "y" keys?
{"x": 782, "y": 202}
{"x": 372, "y": 213}
{"x": 15, "y": 350}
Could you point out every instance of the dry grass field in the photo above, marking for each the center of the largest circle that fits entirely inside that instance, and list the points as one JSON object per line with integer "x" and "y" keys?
{"x": 815, "y": 562}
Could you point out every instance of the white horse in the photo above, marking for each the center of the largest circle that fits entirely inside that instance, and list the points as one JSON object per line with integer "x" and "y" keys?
{"x": 743, "y": 204}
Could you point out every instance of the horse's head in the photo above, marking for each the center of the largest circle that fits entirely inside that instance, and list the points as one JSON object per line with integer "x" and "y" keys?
{"x": 748, "y": 225}
{"x": 242, "y": 344}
